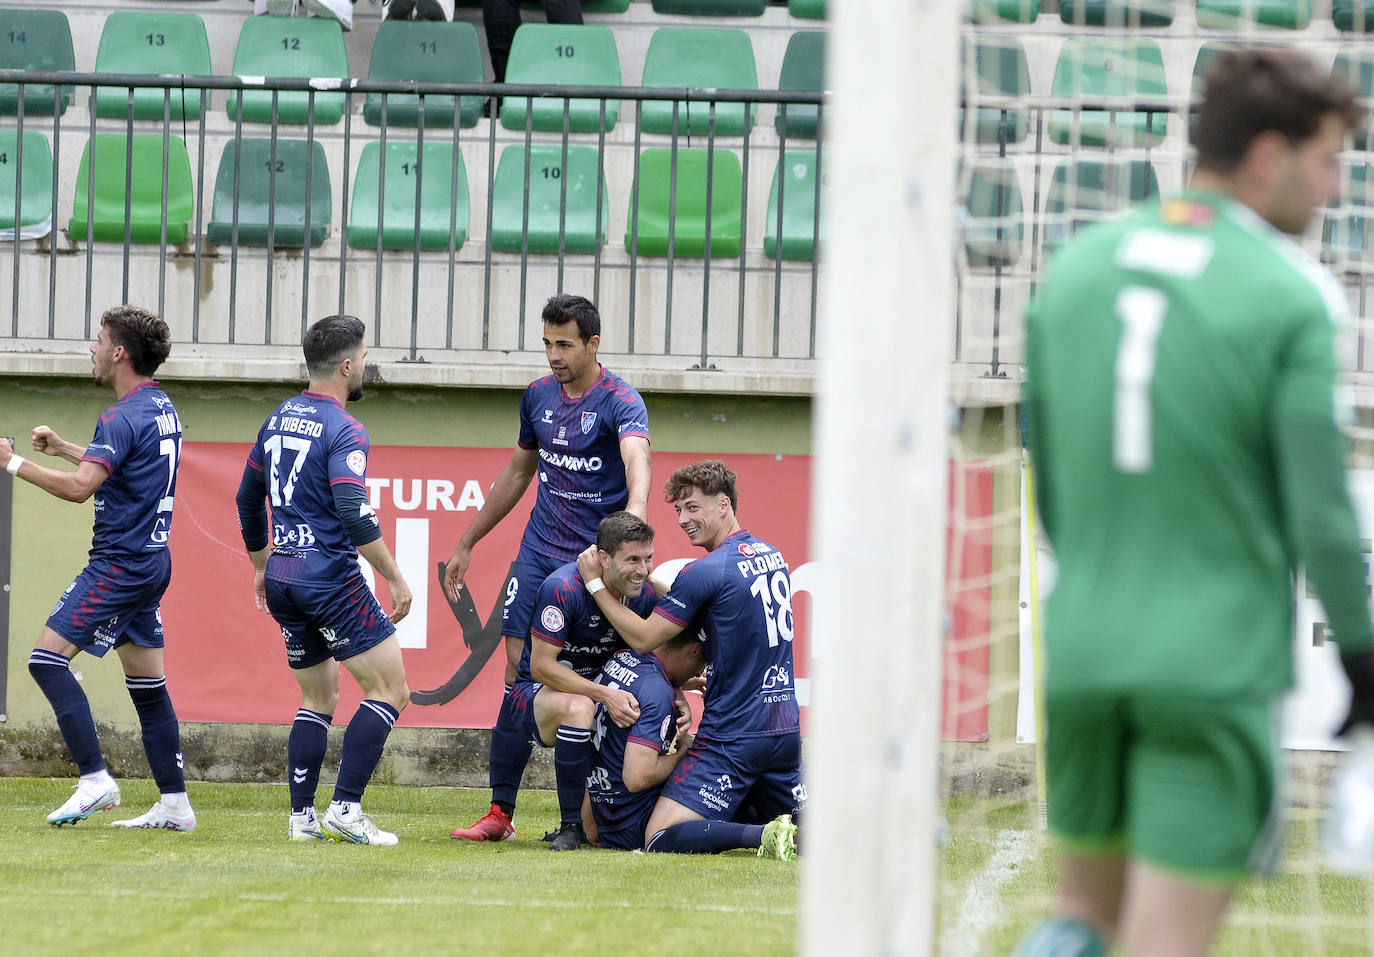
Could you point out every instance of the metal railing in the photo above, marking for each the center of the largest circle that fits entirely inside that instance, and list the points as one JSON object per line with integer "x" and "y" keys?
{"x": 647, "y": 300}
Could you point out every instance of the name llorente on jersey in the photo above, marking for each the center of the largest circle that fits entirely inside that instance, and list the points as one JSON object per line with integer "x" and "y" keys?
{"x": 619, "y": 673}
{"x": 295, "y": 424}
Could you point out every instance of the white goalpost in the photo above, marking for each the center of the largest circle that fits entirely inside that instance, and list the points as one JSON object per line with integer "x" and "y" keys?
{"x": 880, "y": 489}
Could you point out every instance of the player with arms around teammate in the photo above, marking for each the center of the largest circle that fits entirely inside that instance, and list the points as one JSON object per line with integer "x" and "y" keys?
{"x": 585, "y": 431}
{"x": 1181, "y": 397}
{"x": 131, "y": 469}
{"x": 556, "y": 690}
{"x": 745, "y": 765}
{"x": 310, "y": 461}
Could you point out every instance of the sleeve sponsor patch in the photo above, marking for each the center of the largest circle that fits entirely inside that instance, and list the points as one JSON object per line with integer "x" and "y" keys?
{"x": 357, "y": 461}
{"x": 552, "y": 618}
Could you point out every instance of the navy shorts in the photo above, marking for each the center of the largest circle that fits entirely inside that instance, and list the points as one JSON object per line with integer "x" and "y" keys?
{"x": 629, "y": 838}
{"x": 111, "y": 603}
{"x": 522, "y": 591}
{"x": 522, "y": 695}
{"x": 751, "y": 780}
{"x": 322, "y": 620}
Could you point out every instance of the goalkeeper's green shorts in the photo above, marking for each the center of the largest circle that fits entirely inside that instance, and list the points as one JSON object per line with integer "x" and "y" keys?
{"x": 1187, "y": 785}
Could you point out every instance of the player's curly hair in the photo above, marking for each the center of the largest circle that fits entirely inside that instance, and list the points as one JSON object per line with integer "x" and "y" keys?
{"x": 144, "y": 336}
{"x": 709, "y": 476}
{"x": 618, "y": 528}
{"x": 562, "y": 309}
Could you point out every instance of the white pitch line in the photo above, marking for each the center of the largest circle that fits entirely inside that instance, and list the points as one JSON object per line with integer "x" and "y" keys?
{"x": 981, "y": 908}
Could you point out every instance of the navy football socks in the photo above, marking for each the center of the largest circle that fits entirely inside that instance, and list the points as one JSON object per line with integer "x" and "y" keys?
{"x": 161, "y": 733}
{"x": 510, "y": 752}
{"x": 705, "y": 837}
{"x": 54, "y": 676}
{"x": 572, "y": 762}
{"x": 305, "y": 747}
{"x": 362, "y": 748}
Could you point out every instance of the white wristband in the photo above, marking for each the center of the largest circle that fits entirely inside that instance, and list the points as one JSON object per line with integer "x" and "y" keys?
{"x": 595, "y": 585}
{"x": 18, "y": 460}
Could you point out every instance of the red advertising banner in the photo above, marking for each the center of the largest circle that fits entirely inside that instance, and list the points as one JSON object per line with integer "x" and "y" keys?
{"x": 226, "y": 658}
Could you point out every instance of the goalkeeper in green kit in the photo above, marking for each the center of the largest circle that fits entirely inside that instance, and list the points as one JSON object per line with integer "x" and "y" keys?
{"x": 1184, "y": 428}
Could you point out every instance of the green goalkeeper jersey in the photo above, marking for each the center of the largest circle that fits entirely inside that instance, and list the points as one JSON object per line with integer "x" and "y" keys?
{"x": 1182, "y": 410}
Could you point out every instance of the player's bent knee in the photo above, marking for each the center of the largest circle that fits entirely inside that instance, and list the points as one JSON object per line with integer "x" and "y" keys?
{"x": 580, "y": 712}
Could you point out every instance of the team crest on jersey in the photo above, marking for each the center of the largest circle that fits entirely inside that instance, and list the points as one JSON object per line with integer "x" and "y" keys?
{"x": 357, "y": 461}
{"x": 747, "y": 550}
{"x": 588, "y": 422}
{"x": 552, "y": 618}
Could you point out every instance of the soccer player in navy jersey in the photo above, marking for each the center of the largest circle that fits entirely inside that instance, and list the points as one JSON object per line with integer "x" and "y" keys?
{"x": 744, "y": 767}
{"x": 556, "y": 693}
{"x": 585, "y": 431}
{"x": 310, "y": 460}
{"x": 130, "y": 467}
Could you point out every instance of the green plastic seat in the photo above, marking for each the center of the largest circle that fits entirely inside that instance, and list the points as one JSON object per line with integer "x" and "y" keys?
{"x": 33, "y": 217}
{"x": 548, "y": 176}
{"x": 994, "y": 226}
{"x": 427, "y": 51}
{"x": 1088, "y": 191}
{"x": 145, "y": 195}
{"x": 289, "y": 46}
{"x": 591, "y": 6}
{"x": 797, "y": 171}
{"x": 1348, "y": 228}
{"x": 562, "y": 55}
{"x": 1235, "y": 14}
{"x": 1353, "y": 16}
{"x": 34, "y": 40}
{"x": 807, "y": 9}
{"x": 695, "y": 57}
{"x": 1092, "y": 68}
{"x": 1001, "y": 70}
{"x": 1355, "y": 62}
{"x": 142, "y": 42}
{"x": 1002, "y": 11}
{"x": 1124, "y": 14}
{"x": 803, "y": 68}
{"x": 256, "y": 198}
{"x": 688, "y": 219}
{"x": 711, "y": 8}
{"x": 398, "y": 202}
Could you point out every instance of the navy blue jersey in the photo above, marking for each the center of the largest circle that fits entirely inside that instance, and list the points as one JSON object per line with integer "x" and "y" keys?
{"x": 581, "y": 473}
{"x": 740, "y": 598}
{"x": 615, "y": 806}
{"x": 138, "y": 441}
{"x": 567, "y": 617}
{"x": 305, "y": 449}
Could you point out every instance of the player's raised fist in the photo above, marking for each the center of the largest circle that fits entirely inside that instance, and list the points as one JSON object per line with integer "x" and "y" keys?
{"x": 47, "y": 441}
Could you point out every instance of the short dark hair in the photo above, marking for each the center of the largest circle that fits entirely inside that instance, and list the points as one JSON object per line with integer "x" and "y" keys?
{"x": 710, "y": 476}
{"x": 330, "y": 341}
{"x": 618, "y": 528}
{"x": 686, "y": 638}
{"x": 562, "y": 309}
{"x": 1255, "y": 90}
{"x": 144, "y": 336}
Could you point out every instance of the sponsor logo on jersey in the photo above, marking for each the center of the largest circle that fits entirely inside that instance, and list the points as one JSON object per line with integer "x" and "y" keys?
{"x": 331, "y": 637}
{"x": 548, "y": 415}
{"x": 598, "y": 780}
{"x": 300, "y": 407}
{"x": 776, "y": 677}
{"x": 101, "y": 445}
{"x": 573, "y": 463}
{"x": 551, "y": 618}
{"x": 1186, "y": 212}
{"x": 588, "y": 422}
{"x": 300, "y": 536}
{"x": 746, "y": 549}
{"x": 161, "y": 401}
{"x": 357, "y": 462}
{"x": 663, "y": 731}
{"x": 799, "y": 796}
{"x": 724, "y": 783}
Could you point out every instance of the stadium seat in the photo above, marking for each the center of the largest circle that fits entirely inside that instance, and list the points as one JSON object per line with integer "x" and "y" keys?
{"x": 995, "y": 11}
{"x": 257, "y": 199}
{"x": 1001, "y": 70}
{"x": 1353, "y": 15}
{"x": 145, "y": 196}
{"x": 807, "y": 9}
{"x": 1089, "y": 191}
{"x": 33, "y": 217}
{"x": 427, "y": 51}
{"x": 437, "y": 208}
{"x": 561, "y": 55}
{"x": 143, "y": 42}
{"x": 290, "y": 46}
{"x": 1348, "y": 228}
{"x": 1236, "y": 14}
{"x": 693, "y": 57}
{"x": 548, "y": 177}
{"x": 797, "y": 172}
{"x": 1125, "y": 14}
{"x": 658, "y": 221}
{"x": 1355, "y": 62}
{"x": 803, "y": 68}
{"x": 591, "y": 6}
{"x": 35, "y": 40}
{"x": 712, "y": 8}
{"x": 1094, "y": 68}
{"x": 994, "y": 227}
